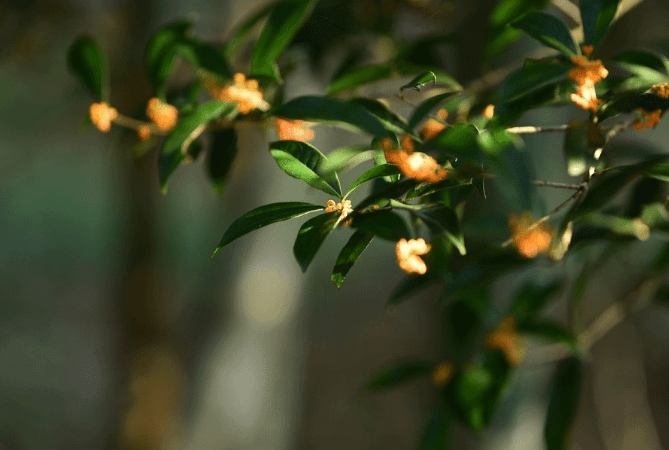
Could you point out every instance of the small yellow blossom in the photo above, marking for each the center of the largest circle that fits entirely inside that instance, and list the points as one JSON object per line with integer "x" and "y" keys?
{"x": 650, "y": 119}
{"x": 442, "y": 373}
{"x": 431, "y": 128}
{"x": 162, "y": 114}
{"x": 143, "y": 132}
{"x": 408, "y": 255}
{"x": 506, "y": 338}
{"x": 244, "y": 93}
{"x": 416, "y": 165}
{"x": 489, "y": 112}
{"x": 102, "y": 116}
{"x": 529, "y": 238}
{"x": 587, "y": 49}
{"x": 344, "y": 208}
{"x": 661, "y": 90}
{"x": 293, "y": 130}
{"x": 586, "y": 74}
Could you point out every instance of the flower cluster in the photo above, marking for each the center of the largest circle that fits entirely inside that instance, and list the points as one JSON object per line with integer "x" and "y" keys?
{"x": 293, "y": 130}
{"x": 416, "y": 165}
{"x": 433, "y": 127}
{"x": 162, "y": 114}
{"x": 244, "y": 93}
{"x": 102, "y": 116}
{"x": 344, "y": 208}
{"x": 442, "y": 373}
{"x": 408, "y": 255}
{"x": 528, "y": 237}
{"x": 661, "y": 90}
{"x": 586, "y": 74}
{"x": 652, "y": 118}
{"x": 506, "y": 338}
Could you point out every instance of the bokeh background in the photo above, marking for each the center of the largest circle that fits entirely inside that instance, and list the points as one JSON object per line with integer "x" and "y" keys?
{"x": 117, "y": 330}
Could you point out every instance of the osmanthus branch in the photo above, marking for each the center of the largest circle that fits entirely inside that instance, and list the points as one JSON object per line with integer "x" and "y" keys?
{"x": 557, "y": 185}
{"x": 129, "y": 122}
{"x": 531, "y": 130}
{"x": 640, "y": 297}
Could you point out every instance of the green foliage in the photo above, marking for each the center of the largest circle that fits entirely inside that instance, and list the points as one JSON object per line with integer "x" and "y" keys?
{"x": 310, "y": 237}
{"x": 161, "y": 51}
{"x": 399, "y": 373}
{"x": 349, "y": 255}
{"x": 221, "y": 155}
{"x": 304, "y": 162}
{"x": 86, "y": 61}
{"x": 597, "y": 15}
{"x": 549, "y": 30}
{"x": 563, "y": 403}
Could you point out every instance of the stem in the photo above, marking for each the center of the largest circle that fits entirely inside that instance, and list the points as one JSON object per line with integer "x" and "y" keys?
{"x": 530, "y": 129}
{"x": 557, "y": 185}
{"x": 134, "y": 124}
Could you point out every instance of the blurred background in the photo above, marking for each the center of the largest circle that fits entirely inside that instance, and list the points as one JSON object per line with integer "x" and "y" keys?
{"x": 117, "y": 330}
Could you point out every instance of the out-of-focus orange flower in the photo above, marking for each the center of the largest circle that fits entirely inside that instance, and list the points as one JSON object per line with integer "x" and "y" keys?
{"x": 442, "y": 373}
{"x": 586, "y": 74}
{"x": 506, "y": 338}
{"x": 587, "y": 49}
{"x": 143, "y": 132}
{"x": 416, "y": 165}
{"x": 661, "y": 90}
{"x": 102, "y": 116}
{"x": 162, "y": 114}
{"x": 408, "y": 255}
{"x": 293, "y": 130}
{"x": 431, "y": 128}
{"x": 529, "y": 238}
{"x": 244, "y": 93}
{"x": 489, "y": 111}
{"x": 650, "y": 119}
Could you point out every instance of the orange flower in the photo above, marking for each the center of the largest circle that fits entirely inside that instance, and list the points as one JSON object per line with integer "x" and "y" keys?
{"x": 431, "y": 128}
{"x": 416, "y": 165}
{"x": 344, "y": 207}
{"x": 144, "y": 132}
{"x": 506, "y": 338}
{"x": 651, "y": 119}
{"x": 442, "y": 373}
{"x": 587, "y": 49}
{"x": 293, "y": 130}
{"x": 489, "y": 112}
{"x": 162, "y": 114}
{"x": 528, "y": 237}
{"x": 586, "y": 74}
{"x": 661, "y": 90}
{"x": 408, "y": 255}
{"x": 244, "y": 93}
{"x": 102, "y": 116}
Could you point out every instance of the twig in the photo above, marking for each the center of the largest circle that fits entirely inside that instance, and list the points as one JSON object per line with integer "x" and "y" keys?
{"x": 530, "y": 129}
{"x": 129, "y": 122}
{"x": 557, "y": 185}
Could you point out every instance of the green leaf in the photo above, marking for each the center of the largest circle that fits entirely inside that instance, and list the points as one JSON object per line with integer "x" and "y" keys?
{"x": 552, "y": 331}
{"x": 618, "y": 225}
{"x": 463, "y": 323}
{"x": 384, "y": 224}
{"x": 426, "y": 106}
{"x": 576, "y": 149}
{"x": 419, "y": 81}
{"x": 238, "y": 36}
{"x": 329, "y": 110}
{"x": 457, "y": 140}
{"x": 346, "y": 158}
{"x": 282, "y": 25}
{"x": 221, "y": 155}
{"x": 86, "y": 61}
{"x": 549, "y": 30}
{"x": 310, "y": 237}
{"x": 372, "y": 173}
{"x": 304, "y": 161}
{"x": 263, "y": 216}
{"x": 533, "y": 297}
{"x": 409, "y": 285}
{"x": 435, "y": 436}
{"x": 443, "y": 220}
{"x": 596, "y": 16}
{"x": 189, "y": 127}
{"x": 563, "y": 403}
{"x": 391, "y": 121}
{"x": 471, "y": 391}
{"x": 532, "y": 76}
{"x": 204, "y": 56}
{"x": 399, "y": 373}
{"x": 431, "y": 188}
{"x": 160, "y": 53}
{"x": 349, "y": 255}
{"x": 645, "y": 58}
{"x": 360, "y": 76}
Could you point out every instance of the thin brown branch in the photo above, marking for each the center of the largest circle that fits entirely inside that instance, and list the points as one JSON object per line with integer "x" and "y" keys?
{"x": 557, "y": 185}
{"x": 531, "y": 130}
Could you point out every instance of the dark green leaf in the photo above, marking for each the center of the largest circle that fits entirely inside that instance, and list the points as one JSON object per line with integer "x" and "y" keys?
{"x": 310, "y": 237}
{"x": 409, "y": 285}
{"x": 457, "y": 140}
{"x": 282, "y": 25}
{"x": 85, "y": 60}
{"x": 549, "y": 30}
{"x": 372, "y": 173}
{"x": 596, "y": 16}
{"x": 263, "y": 216}
{"x": 346, "y": 158}
{"x": 323, "y": 109}
{"x": 360, "y": 76}
{"x": 431, "y": 188}
{"x": 350, "y": 254}
{"x": 472, "y": 390}
{"x": 443, "y": 220}
{"x": 576, "y": 149}
{"x": 240, "y": 33}
{"x": 619, "y": 225}
{"x": 384, "y": 224}
{"x": 304, "y": 161}
{"x": 551, "y": 331}
{"x": 419, "y": 81}
{"x": 463, "y": 323}
{"x": 221, "y": 155}
{"x": 204, "y": 56}
{"x": 426, "y": 106}
{"x": 160, "y": 52}
{"x": 645, "y": 58}
{"x": 390, "y": 190}
{"x": 389, "y": 119}
{"x": 533, "y": 297}
{"x": 563, "y": 403}
{"x": 400, "y": 373}
{"x": 189, "y": 127}
{"x": 436, "y": 434}
{"x": 532, "y": 76}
